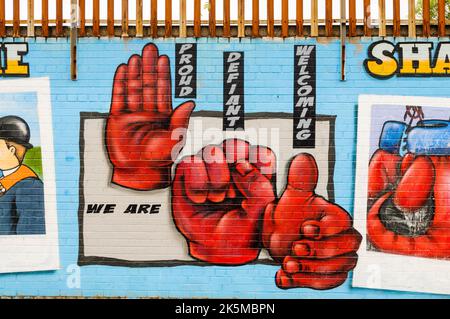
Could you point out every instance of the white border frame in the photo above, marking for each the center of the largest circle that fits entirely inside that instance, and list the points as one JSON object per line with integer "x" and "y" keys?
{"x": 378, "y": 270}
{"x": 35, "y": 252}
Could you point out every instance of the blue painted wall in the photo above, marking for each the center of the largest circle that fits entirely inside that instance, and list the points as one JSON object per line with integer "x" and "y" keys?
{"x": 268, "y": 83}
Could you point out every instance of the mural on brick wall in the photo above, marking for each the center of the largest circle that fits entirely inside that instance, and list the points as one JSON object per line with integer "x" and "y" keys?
{"x": 408, "y": 59}
{"x": 28, "y": 229}
{"x": 175, "y": 187}
{"x": 408, "y": 178}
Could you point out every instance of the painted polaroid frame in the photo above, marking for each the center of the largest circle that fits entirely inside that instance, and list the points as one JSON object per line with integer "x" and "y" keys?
{"x": 84, "y": 260}
{"x": 35, "y": 252}
{"x": 379, "y": 270}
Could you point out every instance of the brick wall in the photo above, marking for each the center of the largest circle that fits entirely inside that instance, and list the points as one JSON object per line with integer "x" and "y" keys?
{"x": 157, "y": 263}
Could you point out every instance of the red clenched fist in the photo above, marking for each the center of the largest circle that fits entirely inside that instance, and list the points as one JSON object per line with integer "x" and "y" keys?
{"x": 141, "y": 123}
{"x": 413, "y": 217}
{"x": 218, "y": 200}
{"x": 312, "y": 237}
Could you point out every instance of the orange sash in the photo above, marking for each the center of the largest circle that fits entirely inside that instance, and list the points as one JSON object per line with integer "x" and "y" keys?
{"x": 9, "y": 181}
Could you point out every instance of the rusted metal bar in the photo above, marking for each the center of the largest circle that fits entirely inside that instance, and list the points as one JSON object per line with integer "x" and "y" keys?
{"x": 441, "y": 18}
{"x": 329, "y": 18}
{"x": 16, "y": 18}
{"x": 314, "y": 18}
{"x": 396, "y": 18}
{"x": 59, "y": 18}
{"x": 168, "y": 19}
{"x": 382, "y": 18}
{"x": 110, "y": 18}
{"x": 226, "y": 18}
{"x": 255, "y": 18}
{"x": 299, "y": 17}
{"x": 30, "y": 19}
{"x": 212, "y": 18}
{"x": 2, "y": 19}
{"x": 270, "y": 19}
{"x": 82, "y": 17}
{"x": 197, "y": 19}
{"x": 426, "y": 18}
{"x": 352, "y": 18}
{"x": 343, "y": 33}
{"x": 367, "y": 19}
{"x": 124, "y": 18}
{"x": 154, "y": 18}
{"x": 183, "y": 26}
{"x": 412, "y": 18}
{"x": 139, "y": 17}
{"x": 73, "y": 39}
{"x": 241, "y": 19}
{"x": 96, "y": 18}
{"x": 44, "y": 20}
{"x": 284, "y": 18}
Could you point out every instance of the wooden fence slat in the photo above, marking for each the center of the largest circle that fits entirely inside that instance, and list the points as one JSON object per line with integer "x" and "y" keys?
{"x": 241, "y": 19}
{"x": 59, "y": 18}
{"x": 270, "y": 19}
{"x": 168, "y": 19}
{"x": 299, "y": 17}
{"x": 44, "y": 20}
{"x": 255, "y": 18}
{"x": 30, "y": 19}
{"x": 226, "y": 18}
{"x": 139, "y": 17}
{"x": 314, "y": 18}
{"x": 82, "y": 17}
{"x": 96, "y": 18}
{"x": 329, "y": 18}
{"x": 154, "y": 18}
{"x": 16, "y": 18}
{"x": 284, "y": 18}
{"x": 367, "y": 19}
{"x": 183, "y": 27}
{"x": 197, "y": 21}
{"x": 110, "y": 18}
{"x": 426, "y": 18}
{"x": 2, "y": 19}
{"x": 382, "y": 18}
{"x": 412, "y": 18}
{"x": 124, "y": 18}
{"x": 396, "y": 20}
{"x": 352, "y": 18}
{"x": 212, "y": 18}
{"x": 441, "y": 18}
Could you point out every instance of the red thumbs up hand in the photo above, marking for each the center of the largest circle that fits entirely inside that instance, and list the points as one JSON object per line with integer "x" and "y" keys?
{"x": 141, "y": 127}
{"x": 218, "y": 200}
{"x": 311, "y": 237}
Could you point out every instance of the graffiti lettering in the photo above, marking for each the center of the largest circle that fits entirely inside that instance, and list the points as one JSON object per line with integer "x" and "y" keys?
{"x": 98, "y": 208}
{"x": 142, "y": 209}
{"x": 233, "y": 96}
{"x": 186, "y": 70}
{"x": 11, "y": 60}
{"x": 131, "y": 209}
{"x": 304, "y": 96}
{"x": 414, "y": 59}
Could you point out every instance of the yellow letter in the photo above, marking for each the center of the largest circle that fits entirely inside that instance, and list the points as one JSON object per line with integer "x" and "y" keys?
{"x": 14, "y": 64}
{"x": 415, "y": 52}
{"x": 381, "y": 62}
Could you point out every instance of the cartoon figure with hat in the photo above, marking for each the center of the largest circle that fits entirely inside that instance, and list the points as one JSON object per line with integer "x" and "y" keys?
{"x": 21, "y": 191}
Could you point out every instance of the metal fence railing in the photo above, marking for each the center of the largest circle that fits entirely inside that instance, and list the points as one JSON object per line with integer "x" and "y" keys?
{"x": 328, "y": 25}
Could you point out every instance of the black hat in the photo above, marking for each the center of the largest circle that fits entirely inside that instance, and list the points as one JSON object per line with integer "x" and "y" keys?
{"x": 15, "y": 129}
